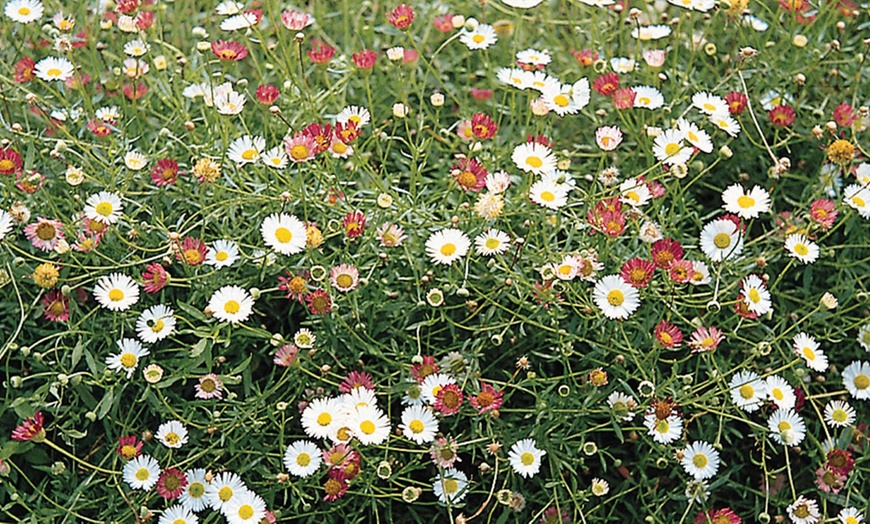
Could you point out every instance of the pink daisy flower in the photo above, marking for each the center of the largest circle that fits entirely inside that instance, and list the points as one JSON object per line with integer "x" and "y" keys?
{"x": 45, "y": 233}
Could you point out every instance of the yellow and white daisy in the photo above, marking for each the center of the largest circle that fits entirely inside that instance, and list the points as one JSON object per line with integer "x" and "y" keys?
{"x": 447, "y": 246}
{"x": 622, "y": 65}
{"x": 135, "y": 160}
{"x": 108, "y": 113}
{"x": 126, "y": 360}
{"x": 178, "y": 514}
{"x": 858, "y": 198}
{"x": 787, "y": 428}
{"x": 802, "y": 249}
{"x": 432, "y": 384}
{"x": 652, "y": 32}
{"x": 239, "y": 21}
{"x": 116, "y": 292}
{"x": 284, "y": 233}
{"x": 839, "y": 414}
{"x": 134, "y": 68}
{"x": 850, "y": 515}
{"x": 480, "y": 38}
{"x": 320, "y": 417}
{"x": 304, "y": 338}
{"x": 525, "y": 458}
{"x": 700, "y": 460}
{"x": 804, "y": 511}
{"x": 634, "y": 192}
{"x": 746, "y": 204}
{"x": 172, "y": 434}
{"x": 541, "y": 81}
{"x": 229, "y": 8}
{"x": 515, "y": 77}
{"x": 663, "y": 431}
{"x": 24, "y": 11}
{"x": 856, "y": 378}
{"x": 721, "y": 240}
{"x": 419, "y": 424}
{"x": 747, "y": 391}
{"x": 709, "y": 104}
{"x": 303, "y": 458}
{"x": 668, "y": 148}
{"x": 548, "y": 194}
{"x": 451, "y": 486}
{"x": 725, "y": 122}
{"x": 193, "y": 497}
{"x": 807, "y": 348}
{"x": 615, "y": 298}
{"x": 155, "y": 323}
{"x": 647, "y": 97}
{"x": 780, "y": 392}
{"x": 224, "y": 488}
{"x": 275, "y": 158}
{"x": 141, "y": 472}
{"x": 53, "y": 68}
{"x": 560, "y": 100}
{"x": 695, "y": 135}
{"x": 492, "y": 242}
{"x": 358, "y": 115}
{"x": 534, "y": 57}
{"x": 229, "y": 103}
{"x": 862, "y": 174}
{"x": 136, "y": 48}
{"x": 246, "y": 149}
{"x": 231, "y": 304}
{"x": 223, "y": 253}
{"x": 370, "y": 426}
{"x": 104, "y": 207}
{"x": 6, "y": 223}
{"x": 755, "y": 295}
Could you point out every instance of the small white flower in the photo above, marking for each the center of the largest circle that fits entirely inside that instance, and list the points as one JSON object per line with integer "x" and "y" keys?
{"x": 172, "y": 434}
{"x": 525, "y": 458}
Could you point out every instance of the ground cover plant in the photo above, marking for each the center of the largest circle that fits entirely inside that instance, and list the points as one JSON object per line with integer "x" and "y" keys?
{"x": 450, "y": 261}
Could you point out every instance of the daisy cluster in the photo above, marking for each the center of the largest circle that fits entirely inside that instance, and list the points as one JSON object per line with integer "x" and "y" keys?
{"x": 435, "y": 261}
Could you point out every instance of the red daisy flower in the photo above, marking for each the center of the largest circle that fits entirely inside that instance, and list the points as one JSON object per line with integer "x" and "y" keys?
{"x": 665, "y": 252}
{"x": 637, "y": 272}
{"x": 285, "y": 355}
{"x": 129, "y": 447}
{"x": 480, "y": 94}
{"x": 267, "y": 94}
{"x": 135, "y": 92}
{"x": 844, "y": 115}
{"x": 444, "y": 23}
{"x": 320, "y": 52}
{"x": 823, "y": 212}
{"x": 365, "y": 59}
{"x": 449, "y": 399}
{"x": 229, "y": 50}
{"x": 56, "y": 306}
{"x": 586, "y": 57}
{"x": 296, "y": 285}
{"x": 321, "y": 134}
{"x": 99, "y": 127}
{"x": 840, "y": 461}
{"x": 483, "y": 127}
{"x": 737, "y": 102}
{"x": 171, "y": 483}
{"x": 470, "y": 175}
{"x": 624, "y": 98}
{"x": 336, "y": 485}
{"x": 319, "y": 302}
{"x": 781, "y": 116}
{"x": 487, "y": 400}
{"x": 401, "y": 17}
{"x": 606, "y": 84}
{"x": 154, "y": 278}
{"x": 718, "y": 516}
{"x": 165, "y": 172}
{"x": 193, "y": 251}
{"x": 126, "y": 6}
{"x": 742, "y": 308}
{"x": 544, "y": 140}
{"x": 10, "y": 161}
{"x": 668, "y": 335}
{"x": 31, "y": 429}
{"x": 347, "y": 132}
{"x": 23, "y": 71}
{"x": 681, "y": 271}
{"x": 354, "y": 380}
{"x": 354, "y": 224}
{"x": 424, "y": 369}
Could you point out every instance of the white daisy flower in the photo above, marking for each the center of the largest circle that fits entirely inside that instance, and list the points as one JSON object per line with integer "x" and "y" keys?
{"x": 320, "y": 417}
{"x": 135, "y": 160}
{"x": 804, "y": 511}
{"x": 304, "y": 338}
{"x": 695, "y": 135}
{"x": 608, "y": 137}
{"x": 709, "y": 104}
{"x": 622, "y": 65}
{"x": 481, "y": 38}
{"x": 802, "y": 249}
{"x": 229, "y": 8}
{"x": 787, "y": 428}
{"x": 850, "y": 516}
{"x": 178, "y": 514}
{"x": 419, "y": 424}
{"x": 858, "y": 198}
{"x": 755, "y": 295}
{"x": 839, "y": 414}
{"x": 856, "y": 378}
{"x": 126, "y": 360}
{"x": 668, "y": 148}
{"x": 116, "y": 292}
{"x": 862, "y": 174}
{"x": 108, "y": 113}
{"x": 541, "y": 81}
{"x": 747, "y": 391}
{"x": 725, "y": 122}
{"x": 615, "y": 298}
{"x": 136, "y": 48}
{"x": 284, "y": 233}
{"x": 53, "y": 68}
{"x": 567, "y": 269}
{"x": 239, "y": 21}
{"x": 721, "y": 240}
{"x": 806, "y": 347}
{"x": 231, "y": 304}
{"x": 229, "y": 103}
{"x": 634, "y": 192}
{"x": 647, "y": 97}
{"x": 358, "y": 115}
{"x": 275, "y": 158}
{"x": 358, "y": 398}
{"x": 622, "y": 406}
{"x": 780, "y": 392}
{"x": 193, "y": 497}
{"x": 223, "y": 253}
{"x": 246, "y": 508}
{"x": 492, "y": 242}
{"x": 522, "y": 4}
{"x": 652, "y": 32}
{"x": 534, "y": 57}
{"x": 560, "y": 100}
{"x": 447, "y": 246}
{"x": 451, "y": 486}
{"x": 514, "y": 77}
{"x": 547, "y": 193}
{"x": 303, "y": 458}
{"x": 172, "y": 434}
{"x": 863, "y": 333}
{"x": 6, "y": 223}
{"x": 700, "y": 460}
{"x": 246, "y": 149}
{"x": 432, "y": 384}
{"x": 370, "y": 426}
{"x": 24, "y": 11}
{"x": 664, "y": 431}
{"x": 155, "y": 323}
{"x": 525, "y": 458}
{"x": 134, "y": 68}
{"x": 141, "y": 472}
{"x": 104, "y": 207}
{"x": 224, "y": 488}
{"x": 701, "y": 275}
{"x": 534, "y": 157}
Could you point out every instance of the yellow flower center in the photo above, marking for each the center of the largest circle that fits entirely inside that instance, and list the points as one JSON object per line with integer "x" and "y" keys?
{"x": 615, "y": 297}
{"x": 861, "y": 382}
{"x": 143, "y": 474}
{"x": 221, "y": 256}
{"x": 303, "y": 459}
{"x": 547, "y": 196}
{"x": 344, "y": 280}
{"x": 666, "y": 337}
{"x": 116, "y": 295}
{"x": 709, "y": 107}
{"x": 722, "y": 240}
{"x": 416, "y": 426}
{"x": 104, "y": 209}
{"x": 172, "y": 438}
{"x": 527, "y": 459}
{"x": 300, "y": 151}
{"x": 246, "y": 511}
{"x": 45, "y": 231}
{"x": 450, "y": 486}
{"x": 745, "y": 201}
{"x": 783, "y": 426}
{"x": 777, "y": 394}
{"x": 809, "y": 353}
{"x": 283, "y": 235}
{"x": 858, "y": 201}
{"x": 232, "y": 307}
{"x": 754, "y": 296}
{"x": 448, "y": 249}
{"x": 801, "y": 249}
{"x": 662, "y": 426}
{"x": 54, "y": 72}
{"x": 633, "y": 196}
{"x": 839, "y": 415}
{"x": 534, "y": 161}
{"x": 249, "y": 154}
{"x": 492, "y": 243}
{"x": 747, "y": 391}
{"x": 561, "y": 100}
{"x": 367, "y": 427}
{"x": 128, "y": 360}
{"x": 478, "y": 39}
{"x": 672, "y": 149}
{"x": 700, "y": 461}
{"x": 339, "y": 148}
{"x": 225, "y": 493}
